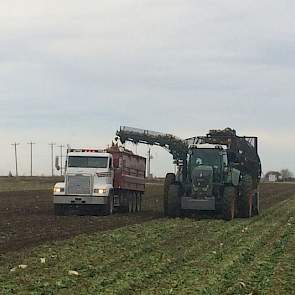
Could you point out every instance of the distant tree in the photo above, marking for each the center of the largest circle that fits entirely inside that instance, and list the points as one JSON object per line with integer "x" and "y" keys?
{"x": 286, "y": 174}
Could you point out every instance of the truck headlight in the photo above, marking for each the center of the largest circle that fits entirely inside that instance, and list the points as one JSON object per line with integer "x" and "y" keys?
{"x": 58, "y": 190}
{"x": 100, "y": 191}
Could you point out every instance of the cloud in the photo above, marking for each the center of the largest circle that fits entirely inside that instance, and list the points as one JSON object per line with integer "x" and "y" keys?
{"x": 73, "y": 72}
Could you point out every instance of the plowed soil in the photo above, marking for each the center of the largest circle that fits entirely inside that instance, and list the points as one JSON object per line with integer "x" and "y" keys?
{"x": 27, "y": 218}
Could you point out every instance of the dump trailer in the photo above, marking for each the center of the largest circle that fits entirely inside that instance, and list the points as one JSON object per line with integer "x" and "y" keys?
{"x": 101, "y": 181}
{"x": 218, "y": 172}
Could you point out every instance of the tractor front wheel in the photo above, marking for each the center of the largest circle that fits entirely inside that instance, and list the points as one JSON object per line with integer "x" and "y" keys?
{"x": 173, "y": 201}
{"x": 169, "y": 180}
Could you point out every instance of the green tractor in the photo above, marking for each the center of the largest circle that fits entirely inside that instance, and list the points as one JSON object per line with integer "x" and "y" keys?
{"x": 218, "y": 172}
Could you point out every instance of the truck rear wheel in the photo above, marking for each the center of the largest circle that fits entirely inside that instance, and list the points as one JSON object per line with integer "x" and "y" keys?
{"x": 170, "y": 179}
{"x": 123, "y": 202}
{"x": 131, "y": 202}
{"x": 245, "y": 200}
{"x": 138, "y": 202}
{"x": 229, "y": 203}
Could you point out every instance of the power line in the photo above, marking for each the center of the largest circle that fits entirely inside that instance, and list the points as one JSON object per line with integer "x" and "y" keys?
{"x": 15, "y": 156}
{"x": 51, "y": 145}
{"x": 31, "y": 144}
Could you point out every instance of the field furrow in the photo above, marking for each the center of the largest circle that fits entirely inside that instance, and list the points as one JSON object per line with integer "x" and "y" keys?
{"x": 166, "y": 256}
{"x": 214, "y": 271}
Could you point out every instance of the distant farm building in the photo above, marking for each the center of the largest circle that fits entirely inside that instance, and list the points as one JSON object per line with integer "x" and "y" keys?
{"x": 273, "y": 176}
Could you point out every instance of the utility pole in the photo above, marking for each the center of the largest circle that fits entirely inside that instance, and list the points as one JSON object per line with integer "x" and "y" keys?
{"x": 150, "y": 157}
{"x": 31, "y": 144}
{"x": 61, "y": 147}
{"x": 15, "y": 156}
{"x": 51, "y": 145}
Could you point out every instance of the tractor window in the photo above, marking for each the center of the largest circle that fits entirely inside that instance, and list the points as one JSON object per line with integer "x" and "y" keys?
{"x": 210, "y": 157}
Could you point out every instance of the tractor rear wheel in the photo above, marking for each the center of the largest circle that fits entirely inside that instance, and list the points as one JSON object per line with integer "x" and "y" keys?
{"x": 256, "y": 202}
{"x": 229, "y": 203}
{"x": 245, "y": 200}
{"x": 170, "y": 179}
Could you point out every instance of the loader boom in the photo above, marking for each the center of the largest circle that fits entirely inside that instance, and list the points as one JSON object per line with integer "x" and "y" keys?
{"x": 176, "y": 146}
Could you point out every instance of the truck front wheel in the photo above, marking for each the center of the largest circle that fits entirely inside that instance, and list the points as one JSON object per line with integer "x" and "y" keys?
{"x": 109, "y": 207}
{"x": 59, "y": 210}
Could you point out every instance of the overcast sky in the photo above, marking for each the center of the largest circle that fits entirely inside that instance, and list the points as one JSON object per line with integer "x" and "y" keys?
{"x": 73, "y": 71}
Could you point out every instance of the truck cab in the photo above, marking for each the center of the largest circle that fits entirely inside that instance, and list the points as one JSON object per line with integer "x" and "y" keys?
{"x": 88, "y": 181}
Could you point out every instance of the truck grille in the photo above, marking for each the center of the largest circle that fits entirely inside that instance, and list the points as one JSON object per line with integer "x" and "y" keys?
{"x": 78, "y": 185}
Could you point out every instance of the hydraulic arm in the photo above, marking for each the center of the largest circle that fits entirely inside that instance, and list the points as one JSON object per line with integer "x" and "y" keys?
{"x": 176, "y": 146}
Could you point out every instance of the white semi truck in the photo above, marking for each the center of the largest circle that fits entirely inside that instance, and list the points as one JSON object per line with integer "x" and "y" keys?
{"x": 98, "y": 181}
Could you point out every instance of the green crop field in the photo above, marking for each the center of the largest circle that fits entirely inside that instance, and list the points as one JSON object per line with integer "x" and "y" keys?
{"x": 165, "y": 256}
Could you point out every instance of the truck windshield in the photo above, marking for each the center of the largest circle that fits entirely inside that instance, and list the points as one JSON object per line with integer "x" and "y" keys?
{"x": 88, "y": 162}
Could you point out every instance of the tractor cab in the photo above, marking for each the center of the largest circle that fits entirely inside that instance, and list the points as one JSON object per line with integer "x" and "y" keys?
{"x": 206, "y": 169}
{"x": 209, "y": 158}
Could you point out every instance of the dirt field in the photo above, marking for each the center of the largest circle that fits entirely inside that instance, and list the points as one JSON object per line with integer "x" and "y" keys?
{"x": 26, "y": 183}
{"x": 27, "y": 219}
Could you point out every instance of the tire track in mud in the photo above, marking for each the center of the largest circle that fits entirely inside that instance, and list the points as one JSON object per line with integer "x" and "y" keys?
{"x": 27, "y": 218}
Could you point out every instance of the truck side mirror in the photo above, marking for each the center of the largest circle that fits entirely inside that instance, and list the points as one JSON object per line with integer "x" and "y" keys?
{"x": 57, "y": 163}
